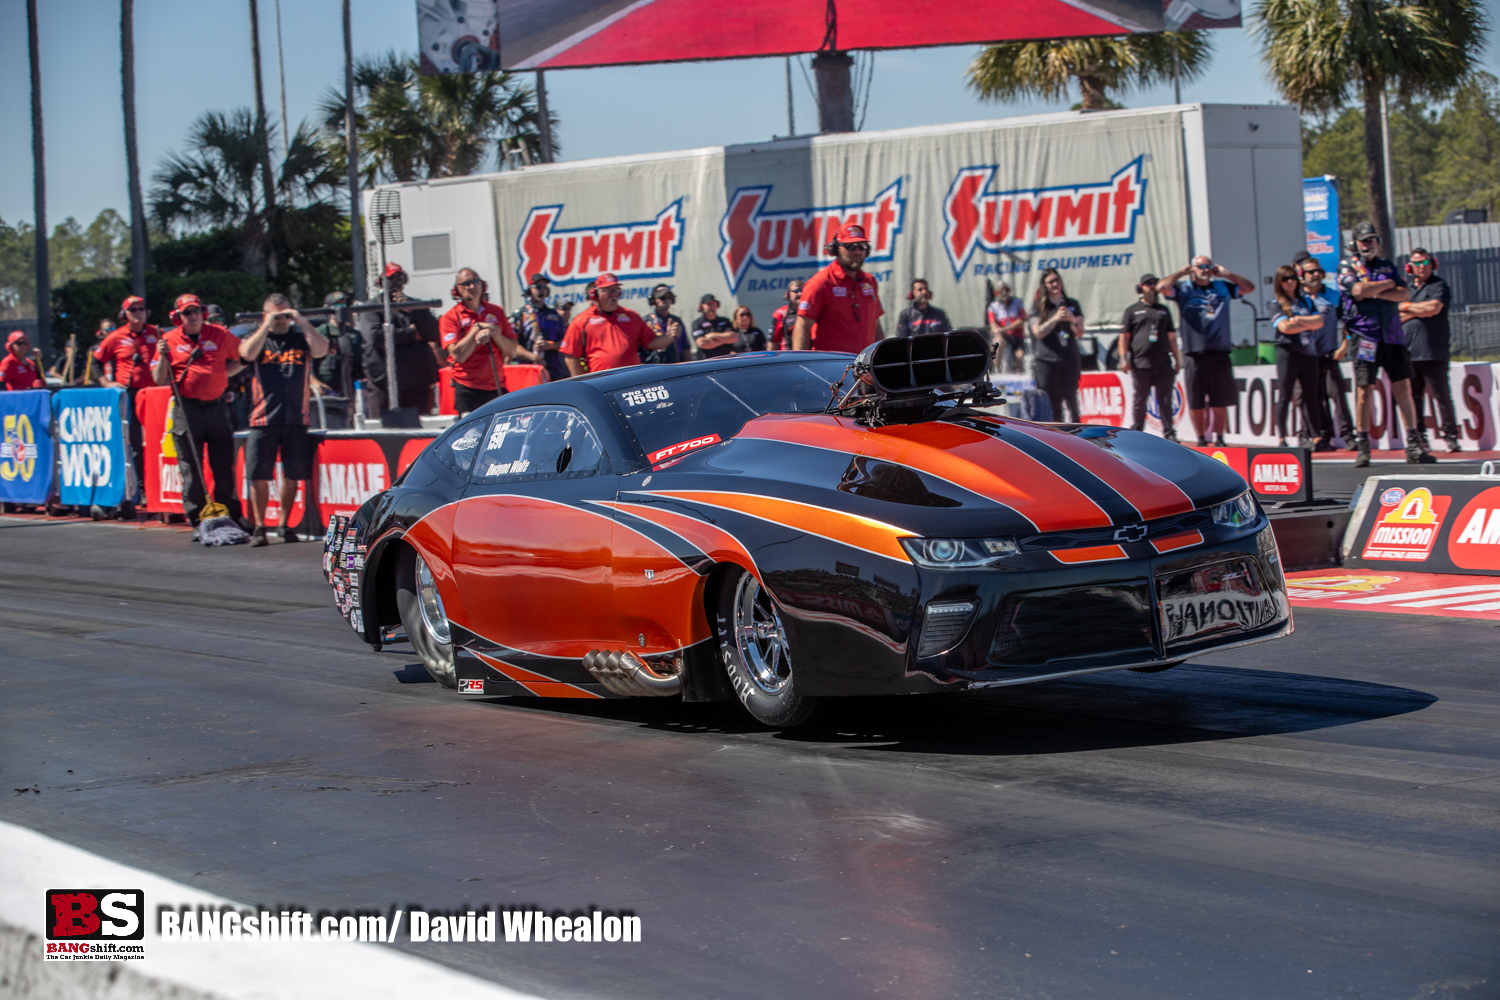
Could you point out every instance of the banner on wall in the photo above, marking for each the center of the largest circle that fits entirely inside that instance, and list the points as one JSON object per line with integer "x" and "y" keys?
{"x": 1433, "y": 524}
{"x": 1320, "y": 209}
{"x": 26, "y": 447}
{"x": 93, "y": 447}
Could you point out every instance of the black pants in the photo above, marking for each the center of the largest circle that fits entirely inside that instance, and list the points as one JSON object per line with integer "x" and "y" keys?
{"x": 209, "y": 422}
{"x": 467, "y": 399}
{"x": 1299, "y": 370}
{"x": 1432, "y": 376}
{"x": 1163, "y": 380}
{"x": 1059, "y": 380}
{"x": 137, "y": 448}
{"x": 1336, "y": 391}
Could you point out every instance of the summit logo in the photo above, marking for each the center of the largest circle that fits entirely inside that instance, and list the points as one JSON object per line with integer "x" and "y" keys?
{"x": 570, "y": 256}
{"x": 1041, "y": 218}
{"x": 796, "y": 238}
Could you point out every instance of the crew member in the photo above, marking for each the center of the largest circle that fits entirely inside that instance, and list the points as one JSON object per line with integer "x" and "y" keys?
{"x": 1056, "y": 325}
{"x": 1373, "y": 289}
{"x": 1333, "y": 401}
{"x": 1007, "y": 322}
{"x": 713, "y": 335}
{"x": 751, "y": 337}
{"x": 199, "y": 357}
{"x": 840, "y": 305}
{"x": 1203, "y": 291}
{"x": 539, "y": 327}
{"x": 415, "y": 335}
{"x": 281, "y": 386}
{"x": 607, "y": 335}
{"x": 1426, "y": 329}
{"x": 661, "y": 320}
{"x": 479, "y": 341}
{"x": 126, "y": 355}
{"x": 785, "y": 316}
{"x": 1148, "y": 351}
{"x": 21, "y": 367}
{"x": 921, "y": 316}
{"x": 1297, "y": 323}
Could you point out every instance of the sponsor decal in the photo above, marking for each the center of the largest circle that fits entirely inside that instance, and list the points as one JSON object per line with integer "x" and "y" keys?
{"x": 572, "y": 256}
{"x": 682, "y": 448}
{"x": 85, "y": 432}
{"x": 1101, "y": 399}
{"x": 1130, "y": 533}
{"x": 1098, "y": 214}
{"x": 349, "y": 473}
{"x": 17, "y": 448}
{"x": 1392, "y": 496}
{"x": 796, "y": 238}
{"x": 1474, "y": 539}
{"x": 471, "y": 686}
{"x": 1312, "y": 588}
{"x": 1407, "y": 529}
{"x": 1276, "y": 474}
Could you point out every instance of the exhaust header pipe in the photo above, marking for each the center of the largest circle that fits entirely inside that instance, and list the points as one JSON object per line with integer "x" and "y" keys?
{"x": 622, "y": 672}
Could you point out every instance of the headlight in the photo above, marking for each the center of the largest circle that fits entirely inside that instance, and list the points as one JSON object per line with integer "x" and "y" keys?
{"x": 1236, "y": 513}
{"x": 958, "y": 553}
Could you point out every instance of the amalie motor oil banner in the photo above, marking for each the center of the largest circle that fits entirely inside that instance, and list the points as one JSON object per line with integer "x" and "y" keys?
{"x": 1431, "y": 524}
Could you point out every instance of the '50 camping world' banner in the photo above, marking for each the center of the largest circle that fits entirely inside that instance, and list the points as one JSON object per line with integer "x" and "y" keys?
{"x": 26, "y": 446}
{"x": 94, "y": 466}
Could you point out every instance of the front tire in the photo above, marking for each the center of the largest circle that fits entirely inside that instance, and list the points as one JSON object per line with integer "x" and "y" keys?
{"x": 757, "y": 654}
{"x": 423, "y": 617}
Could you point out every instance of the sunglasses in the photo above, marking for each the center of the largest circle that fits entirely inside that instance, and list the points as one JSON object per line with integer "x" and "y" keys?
{"x": 191, "y": 311}
{"x": 1308, "y": 272}
{"x": 1290, "y": 277}
{"x": 136, "y": 309}
{"x": 468, "y": 284}
{"x": 1204, "y": 267}
{"x": 858, "y": 247}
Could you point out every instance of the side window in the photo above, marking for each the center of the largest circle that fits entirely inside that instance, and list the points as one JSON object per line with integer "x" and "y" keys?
{"x": 458, "y": 447}
{"x": 536, "y": 444}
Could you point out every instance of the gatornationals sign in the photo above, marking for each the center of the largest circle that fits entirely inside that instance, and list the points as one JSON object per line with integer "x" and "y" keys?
{"x": 570, "y": 256}
{"x": 1088, "y": 215}
{"x": 795, "y": 238}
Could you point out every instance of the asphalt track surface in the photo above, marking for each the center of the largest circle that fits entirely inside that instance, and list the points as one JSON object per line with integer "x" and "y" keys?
{"x": 1308, "y": 818}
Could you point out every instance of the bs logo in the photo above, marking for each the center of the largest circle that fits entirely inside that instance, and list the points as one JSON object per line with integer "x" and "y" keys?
{"x": 96, "y": 914}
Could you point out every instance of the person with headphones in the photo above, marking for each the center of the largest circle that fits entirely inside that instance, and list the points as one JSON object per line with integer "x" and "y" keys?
{"x": 200, "y": 357}
{"x": 479, "y": 340}
{"x": 1426, "y": 328}
{"x": 840, "y": 307}
{"x": 1148, "y": 353}
{"x": 1331, "y": 404}
{"x": 607, "y": 335}
{"x": 661, "y": 320}
{"x": 921, "y": 316}
{"x": 1373, "y": 288}
{"x": 126, "y": 355}
{"x": 414, "y": 335}
{"x": 539, "y": 327}
{"x": 785, "y": 316}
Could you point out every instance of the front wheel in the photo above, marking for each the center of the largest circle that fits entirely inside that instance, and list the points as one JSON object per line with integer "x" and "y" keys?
{"x": 423, "y": 617}
{"x": 757, "y": 654}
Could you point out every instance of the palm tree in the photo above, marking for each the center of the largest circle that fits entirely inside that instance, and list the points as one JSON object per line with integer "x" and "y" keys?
{"x": 140, "y": 247}
{"x": 412, "y": 127}
{"x": 1047, "y": 68}
{"x": 1320, "y": 52}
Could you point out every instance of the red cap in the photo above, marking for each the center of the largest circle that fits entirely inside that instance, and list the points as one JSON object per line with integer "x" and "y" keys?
{"x": 15, "y": 336}
{"x": 131, "y": 300}
{"x": 391, "y": 270}
{"x": 606, "y": 280}
{"x": 851, "y": 232}
{"x": 185, "y": 300}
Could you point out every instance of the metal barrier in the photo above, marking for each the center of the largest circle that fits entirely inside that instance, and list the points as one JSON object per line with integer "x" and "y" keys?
{"x": 1475, "y": 331}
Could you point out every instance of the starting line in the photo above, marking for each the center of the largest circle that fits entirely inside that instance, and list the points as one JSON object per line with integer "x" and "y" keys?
{"x": 1446, "y": 594}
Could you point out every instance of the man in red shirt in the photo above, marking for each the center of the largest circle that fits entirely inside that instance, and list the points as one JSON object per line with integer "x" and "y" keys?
{"x": 126, "y": 355}
{"x": 785, "y": 316}
{"x": 199, "y": 357}
{"x": 840, "y": 305}
{"x": 19, "y": 368}
{"x": 479, "y": 340}
{"x": 607, "y": 335}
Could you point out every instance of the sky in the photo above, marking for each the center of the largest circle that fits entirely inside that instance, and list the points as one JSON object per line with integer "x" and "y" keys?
{"x": 193, "y": 56}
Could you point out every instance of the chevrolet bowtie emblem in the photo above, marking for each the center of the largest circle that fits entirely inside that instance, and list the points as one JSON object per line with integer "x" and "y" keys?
{"x": 1130, "y": 533}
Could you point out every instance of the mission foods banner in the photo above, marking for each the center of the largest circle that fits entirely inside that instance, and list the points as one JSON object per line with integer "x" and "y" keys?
{"x": 93, "y": 445}
{"x": 26, "y": 451}
{"x": 1102, "y": 200}
{"x": 1434, "y": 524}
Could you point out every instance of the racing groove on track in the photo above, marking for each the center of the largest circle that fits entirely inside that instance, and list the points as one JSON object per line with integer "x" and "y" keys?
{"x": 1306, "y": 818}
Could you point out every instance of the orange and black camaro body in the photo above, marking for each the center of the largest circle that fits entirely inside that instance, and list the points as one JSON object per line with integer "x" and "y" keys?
{"x": 791, "y": 526}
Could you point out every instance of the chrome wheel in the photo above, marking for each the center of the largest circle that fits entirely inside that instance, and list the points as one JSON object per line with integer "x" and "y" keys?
{"x": 760, "y": 637}
{"x": 433, "y": 617}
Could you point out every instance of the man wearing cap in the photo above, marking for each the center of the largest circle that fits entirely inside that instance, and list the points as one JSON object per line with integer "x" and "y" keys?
{"x": 1203, "y": 291}
{"x": 785, "y": 316}
{"x": 661, "y": 320}
{"x": 1148, "y": 350}
{"x": 714, "y": 336}
{"x": 1007, "y": 321}
{"x": 840, "y": 305}
{"x": 921, "y": 316}
{"x": 1373, "y": 289}
{"x": 415, "y": 335}
{"x": 127, "y": 354}
{"x": 479, "y": 341}
{"x": 607, "y": 335}
{"x": 1425, "y": 320}
{"x": 199, "y": 357}
{"x": 20, "y": 368}
{"x": 539, "y": 327}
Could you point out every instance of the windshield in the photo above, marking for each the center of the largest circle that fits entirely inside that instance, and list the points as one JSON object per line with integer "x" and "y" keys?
{"x": 676, "y": 415}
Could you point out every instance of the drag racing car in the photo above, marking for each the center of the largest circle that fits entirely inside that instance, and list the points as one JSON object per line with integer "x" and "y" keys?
{"x": 788, "y": 527}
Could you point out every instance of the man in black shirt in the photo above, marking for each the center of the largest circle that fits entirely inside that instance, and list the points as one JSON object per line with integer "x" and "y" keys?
{"x": 418, "y": 357}
{"x": 1148, "y": 349}
{"x": 1425, "y": 317}
{"x": 921, "y": 316}
{"x": 713, "y": 335}
{"x": 662, "y": 320}
{"x": 280, "y": 360}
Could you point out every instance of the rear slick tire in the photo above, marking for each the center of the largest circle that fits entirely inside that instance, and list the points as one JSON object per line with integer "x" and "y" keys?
{"x": 434, "y": 649}
{"x": 757, "y": 654}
